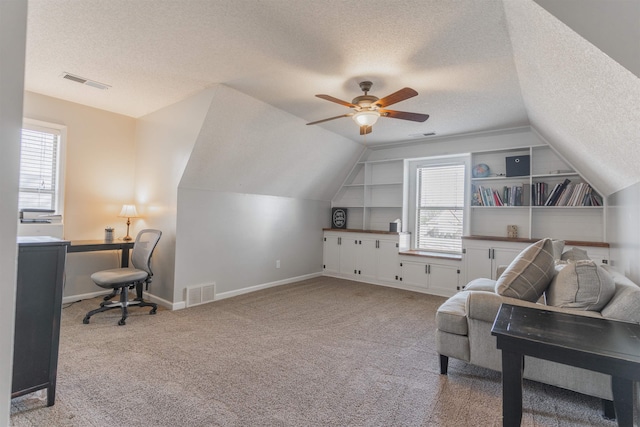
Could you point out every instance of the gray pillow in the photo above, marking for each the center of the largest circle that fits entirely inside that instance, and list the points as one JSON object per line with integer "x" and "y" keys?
{"x": 528, "y": 275}
{"x": 581, "y": 285}
{"x": 574, "y": 254}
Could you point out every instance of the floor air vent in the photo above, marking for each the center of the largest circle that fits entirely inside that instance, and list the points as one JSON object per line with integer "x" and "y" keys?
{"x": 201, "y": 294}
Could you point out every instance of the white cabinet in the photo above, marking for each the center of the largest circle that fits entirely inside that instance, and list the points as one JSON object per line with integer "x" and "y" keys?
{"x": 483, "y": 257}
{"x": 580, "y": 217}
{"x": 373, "y": 194}
{"x": 367, "y": 257}
{"x": 431, "y": 275}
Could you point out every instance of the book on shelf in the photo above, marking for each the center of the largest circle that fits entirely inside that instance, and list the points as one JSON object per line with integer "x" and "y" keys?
{"x": 515, "y": 195}
{"x": 564, "y": 194}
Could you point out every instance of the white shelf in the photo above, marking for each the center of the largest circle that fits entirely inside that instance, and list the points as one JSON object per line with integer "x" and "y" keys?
{"x": 562, "y": 222}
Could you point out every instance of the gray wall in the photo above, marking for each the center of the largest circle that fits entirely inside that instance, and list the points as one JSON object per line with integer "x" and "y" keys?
{"x": 256, "y": 189}
{"x": 13, "y": 24}
{"x": 234, "y": 239}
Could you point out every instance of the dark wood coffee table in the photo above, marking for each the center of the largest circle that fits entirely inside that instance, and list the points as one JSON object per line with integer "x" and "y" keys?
{"x": 596, "y": 344}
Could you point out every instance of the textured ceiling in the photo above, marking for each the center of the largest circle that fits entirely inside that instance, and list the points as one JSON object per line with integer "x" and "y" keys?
{"x": 585, "y": 104}
{"x": 456, "y": 53}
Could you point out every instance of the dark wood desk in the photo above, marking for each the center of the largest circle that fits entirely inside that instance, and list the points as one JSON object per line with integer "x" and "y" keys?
{"x": 103, "y": 245}
{"x": 596, "y": 344}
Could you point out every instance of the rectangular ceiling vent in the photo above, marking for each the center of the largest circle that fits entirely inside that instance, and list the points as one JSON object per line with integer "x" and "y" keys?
{"x": 82, "y": 80}
{"x": 200, "y": 294}
{"x": 420, "y": 135}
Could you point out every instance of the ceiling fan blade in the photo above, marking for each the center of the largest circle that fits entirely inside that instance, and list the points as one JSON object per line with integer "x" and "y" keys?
{"x": 331, "y": 118}
{"x": 414, "y": 117}
{"x": 336, "y": 100}
{"x": 365, "y": 129}
{"x": 398, "y": 96}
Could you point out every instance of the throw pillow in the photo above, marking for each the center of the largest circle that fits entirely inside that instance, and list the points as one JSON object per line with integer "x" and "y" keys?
{"x": 574, "y": 254}
{"x": 581, "y": 285}
{"x": 529, "y": 274}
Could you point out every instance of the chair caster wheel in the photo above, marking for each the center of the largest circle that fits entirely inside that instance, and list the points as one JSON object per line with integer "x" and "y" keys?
{"x": 85, "y": 320}
{"x": 153, "y": 311}
{"x": 121, "y": 322}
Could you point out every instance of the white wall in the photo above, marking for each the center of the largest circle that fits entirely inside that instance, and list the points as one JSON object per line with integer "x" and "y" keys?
{"x": 623, "y": 231}
{"x": 13, "y": 23}
{"x": 257, "y": 188}
{"x": 100, "y": 173}
{"x": 164, "y": 142}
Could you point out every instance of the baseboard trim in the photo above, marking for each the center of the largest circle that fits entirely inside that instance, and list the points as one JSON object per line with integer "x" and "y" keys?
{"x": 146, "y": 295}
{"x": 74, "y": 298}
{"x": 229, "y": 294}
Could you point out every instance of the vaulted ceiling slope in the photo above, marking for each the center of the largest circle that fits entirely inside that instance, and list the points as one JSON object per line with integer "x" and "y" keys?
{"x": 265, "y": 151}
{"x": 584, "y": 103}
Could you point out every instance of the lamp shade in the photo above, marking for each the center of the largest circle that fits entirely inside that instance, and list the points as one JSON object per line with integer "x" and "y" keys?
{"x": 366, "y": 118}
{"x": 129, "y": 211}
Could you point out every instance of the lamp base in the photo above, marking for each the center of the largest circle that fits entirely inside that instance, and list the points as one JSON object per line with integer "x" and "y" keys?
{"x": 127, "y": 238}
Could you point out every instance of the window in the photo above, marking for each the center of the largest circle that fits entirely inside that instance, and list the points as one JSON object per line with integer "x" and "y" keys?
{"x": 40, "y": 167}
{"x": 440, "y": 206}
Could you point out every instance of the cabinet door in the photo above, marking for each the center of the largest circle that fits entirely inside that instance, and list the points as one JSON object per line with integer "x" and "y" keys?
{"x": 443, "y": 279}
{"x": 502, "y": 256}
{"x": 366, "y": 259}
{"x": 388, "y": 260}
{"x": 477, "y": 263}
{"x": 415, "y": 274}
{"x": 348, "y": 255}
{"x": 331, "y": 254}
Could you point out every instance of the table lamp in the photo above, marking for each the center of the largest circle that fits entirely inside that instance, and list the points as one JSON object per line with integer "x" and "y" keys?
{"x": 128, "y": 211}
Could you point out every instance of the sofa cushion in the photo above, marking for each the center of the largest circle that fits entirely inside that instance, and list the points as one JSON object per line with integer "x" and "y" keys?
{"x": 452, "y": 315}
{"x": 529, "y": 273}
{"x": 558, "y": 247}
{"x": 574, "y": 254}
{"x": 581, "y": 285}
{"x": 625, "y": 304}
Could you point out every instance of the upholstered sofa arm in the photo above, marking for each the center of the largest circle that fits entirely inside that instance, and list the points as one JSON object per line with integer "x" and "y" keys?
{"x": 484, "y": 306}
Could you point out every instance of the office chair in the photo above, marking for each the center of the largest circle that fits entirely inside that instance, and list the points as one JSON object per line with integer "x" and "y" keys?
{"x": 123, "y": 279}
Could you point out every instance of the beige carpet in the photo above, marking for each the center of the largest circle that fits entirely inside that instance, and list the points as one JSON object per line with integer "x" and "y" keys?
{"x": 323, "y": 352}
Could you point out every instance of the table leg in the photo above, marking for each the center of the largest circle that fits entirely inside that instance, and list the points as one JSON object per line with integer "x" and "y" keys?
{"x": 512, "y": 367}
{"x": 124, "y": 259}
{"x": 622, "y": 389}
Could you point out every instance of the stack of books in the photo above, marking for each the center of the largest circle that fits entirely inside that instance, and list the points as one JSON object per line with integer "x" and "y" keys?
{"x": 509, "y": 196}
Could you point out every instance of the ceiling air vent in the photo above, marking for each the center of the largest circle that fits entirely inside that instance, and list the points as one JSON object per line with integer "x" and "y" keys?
{"x": 82, "y": 80}
{"x": 420, "y": 135}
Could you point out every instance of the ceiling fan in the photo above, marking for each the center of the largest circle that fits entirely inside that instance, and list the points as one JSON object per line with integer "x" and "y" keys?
{"x": 369, "y": 108}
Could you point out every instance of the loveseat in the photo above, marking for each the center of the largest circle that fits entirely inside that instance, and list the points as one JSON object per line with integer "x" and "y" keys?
{"x": 464, "y": 321}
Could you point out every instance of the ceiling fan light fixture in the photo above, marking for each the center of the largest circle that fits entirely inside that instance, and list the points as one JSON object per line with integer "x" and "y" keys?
{"x": 366, "y": 118}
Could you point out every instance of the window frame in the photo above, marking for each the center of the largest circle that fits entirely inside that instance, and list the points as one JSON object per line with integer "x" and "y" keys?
{"x": 42, "y": 126}
{"x": 413, "y": 193}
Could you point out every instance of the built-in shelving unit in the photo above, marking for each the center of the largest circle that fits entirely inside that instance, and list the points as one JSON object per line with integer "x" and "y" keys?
{"x": 372, "y": 193}
{"x": 577, "y": 222}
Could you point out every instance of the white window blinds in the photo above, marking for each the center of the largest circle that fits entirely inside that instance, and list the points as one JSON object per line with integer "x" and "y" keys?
{"x": 38, "y": 169}
{"x": 440, "y": 207}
